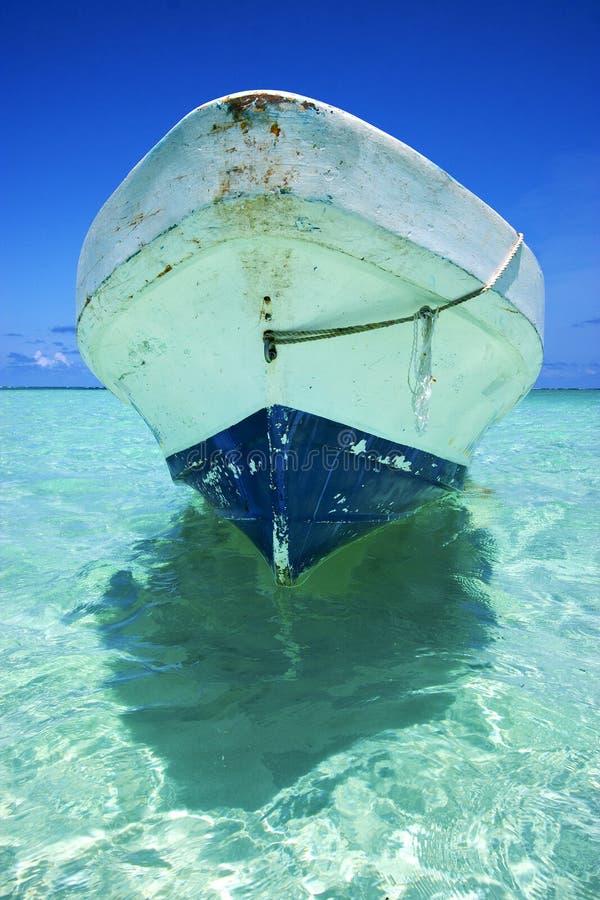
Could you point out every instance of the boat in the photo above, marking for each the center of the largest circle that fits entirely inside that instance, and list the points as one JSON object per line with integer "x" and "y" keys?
{"x": 316, "y": 322}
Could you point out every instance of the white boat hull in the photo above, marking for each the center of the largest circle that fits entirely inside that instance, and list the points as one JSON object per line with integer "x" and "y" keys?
{"x": 267, "y": 211}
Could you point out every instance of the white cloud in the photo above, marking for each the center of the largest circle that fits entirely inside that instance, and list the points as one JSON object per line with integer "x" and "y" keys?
{"x": 49, "y": 362}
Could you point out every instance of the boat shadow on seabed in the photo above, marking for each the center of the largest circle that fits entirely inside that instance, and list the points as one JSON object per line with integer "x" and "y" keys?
{"x": 241, "y": 687}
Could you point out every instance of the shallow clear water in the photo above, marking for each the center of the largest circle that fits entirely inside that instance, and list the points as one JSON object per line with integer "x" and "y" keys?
{"x": 420, "y": 718}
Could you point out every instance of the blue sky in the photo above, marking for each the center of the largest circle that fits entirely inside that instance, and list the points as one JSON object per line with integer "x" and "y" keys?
{"x": 504, "y": 96}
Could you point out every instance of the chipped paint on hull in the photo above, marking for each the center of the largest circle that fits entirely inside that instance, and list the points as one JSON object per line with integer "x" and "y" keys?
{"x": 301, "y": 499}
{"x": 276, "y": 465}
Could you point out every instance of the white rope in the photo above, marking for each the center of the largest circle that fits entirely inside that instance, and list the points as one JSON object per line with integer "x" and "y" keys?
{"x": 272, "y": 338}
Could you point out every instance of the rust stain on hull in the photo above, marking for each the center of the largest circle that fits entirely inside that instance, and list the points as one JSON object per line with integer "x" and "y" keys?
{"x": 273, "y": 179}
{"x": 216, "y": 127}
{"x": 237, "y": 106}
{"x": 141, "y": 216}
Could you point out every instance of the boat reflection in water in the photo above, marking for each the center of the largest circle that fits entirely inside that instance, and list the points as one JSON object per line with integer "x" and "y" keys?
{"x": 242, "y": 687}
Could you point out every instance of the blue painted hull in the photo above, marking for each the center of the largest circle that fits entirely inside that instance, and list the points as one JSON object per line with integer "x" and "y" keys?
{"x": 300, "y": 485}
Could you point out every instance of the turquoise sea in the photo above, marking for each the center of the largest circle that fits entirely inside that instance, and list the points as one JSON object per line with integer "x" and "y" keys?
{"x": 419, "y": 719}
